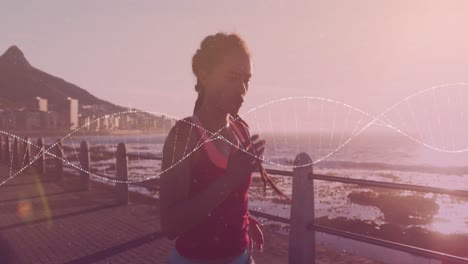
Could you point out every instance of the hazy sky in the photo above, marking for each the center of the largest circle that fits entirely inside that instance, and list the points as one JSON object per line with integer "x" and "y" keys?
{"x": 369, "y": 54}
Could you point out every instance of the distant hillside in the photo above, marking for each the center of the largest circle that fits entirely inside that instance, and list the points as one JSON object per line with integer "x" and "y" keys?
{"x": 21, "y": 83}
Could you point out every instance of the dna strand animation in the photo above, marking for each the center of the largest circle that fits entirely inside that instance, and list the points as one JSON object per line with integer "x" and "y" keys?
{"x": 380, "y": 120}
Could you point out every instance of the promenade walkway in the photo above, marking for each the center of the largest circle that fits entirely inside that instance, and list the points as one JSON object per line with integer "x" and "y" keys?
{"x": 45, "y": 222}
{"x": 42, "y": 221}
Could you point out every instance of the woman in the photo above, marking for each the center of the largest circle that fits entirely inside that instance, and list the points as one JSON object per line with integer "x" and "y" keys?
{"x": 209, "y": 158}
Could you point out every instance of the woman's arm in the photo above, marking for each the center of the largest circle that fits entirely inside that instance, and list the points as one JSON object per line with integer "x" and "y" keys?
{"x": 178, "y": 212}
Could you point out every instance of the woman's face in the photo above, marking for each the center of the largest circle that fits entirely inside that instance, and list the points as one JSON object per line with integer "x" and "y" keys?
{"x": 228, "y": 83}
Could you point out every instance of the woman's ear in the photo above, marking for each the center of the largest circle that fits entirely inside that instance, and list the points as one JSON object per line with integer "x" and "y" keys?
{"x": 203, "y": 77}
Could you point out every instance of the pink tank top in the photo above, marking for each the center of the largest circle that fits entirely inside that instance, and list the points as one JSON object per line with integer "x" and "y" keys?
{"x": 224, "y": 233}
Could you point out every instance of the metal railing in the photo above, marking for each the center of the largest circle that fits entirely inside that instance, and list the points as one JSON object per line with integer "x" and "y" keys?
{"x": 302, "y": 220}
{"x": 385, "y": 243}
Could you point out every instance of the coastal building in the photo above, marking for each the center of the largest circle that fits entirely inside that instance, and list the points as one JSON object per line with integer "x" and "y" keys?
{"x": 7, "y": 119}
{"x": 42, "y": 104}
{"x": 167, "y": 123}
{"x": 105, "y": 123}
{"x": 126, "y": 122}
{"x": 28, "y": 119}
{"x": 116, "y": 122}
{"x": 97, "y": 121}
{"x": 90, "y": 123}
{"x": 20, "y": 120}
{"x": 49, "y": 120}
{"x": 73, "y": 113}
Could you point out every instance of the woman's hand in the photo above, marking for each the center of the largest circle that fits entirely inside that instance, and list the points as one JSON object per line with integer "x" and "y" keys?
{"x": 255, "y": 235}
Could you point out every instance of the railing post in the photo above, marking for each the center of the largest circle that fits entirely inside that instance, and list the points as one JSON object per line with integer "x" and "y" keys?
{"x": 59, "y": 160}
{"x": 122, "y": 174}
{"x": 85, "y": 166}
{"x": 1, "y": 147}
{"x": 7, "y": 150}
{"x": 15, "y": 154}
{"x": 40, "y": 162}
{"x": 27, "y": 151}
{"x": 301, "y": 236}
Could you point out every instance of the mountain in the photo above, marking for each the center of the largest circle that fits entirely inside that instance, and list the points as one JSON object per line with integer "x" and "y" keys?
{"x": 21, "y": 83}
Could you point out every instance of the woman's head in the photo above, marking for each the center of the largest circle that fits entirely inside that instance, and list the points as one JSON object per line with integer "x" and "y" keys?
{"x": 222, "y": 67}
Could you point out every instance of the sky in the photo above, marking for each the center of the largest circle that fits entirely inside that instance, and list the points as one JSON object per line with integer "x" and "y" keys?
{"x": 365, "y": 53}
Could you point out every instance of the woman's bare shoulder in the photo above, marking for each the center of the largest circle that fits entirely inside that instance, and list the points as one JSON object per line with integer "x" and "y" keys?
{"x": 181, "y": 127}
{"x": 181, "y": 138}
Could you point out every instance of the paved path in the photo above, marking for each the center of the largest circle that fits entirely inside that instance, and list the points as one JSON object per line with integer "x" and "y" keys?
{"x": 40, "y": 222}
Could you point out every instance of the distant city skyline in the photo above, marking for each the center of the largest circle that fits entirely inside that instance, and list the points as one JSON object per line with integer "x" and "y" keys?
{"x": 366, "y": 54}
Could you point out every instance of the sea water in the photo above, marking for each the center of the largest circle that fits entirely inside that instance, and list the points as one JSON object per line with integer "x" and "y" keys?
{"x": 380, "y": 157}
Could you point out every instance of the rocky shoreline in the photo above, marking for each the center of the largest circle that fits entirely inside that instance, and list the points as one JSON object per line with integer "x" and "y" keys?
{"x": 402, "y": 214}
